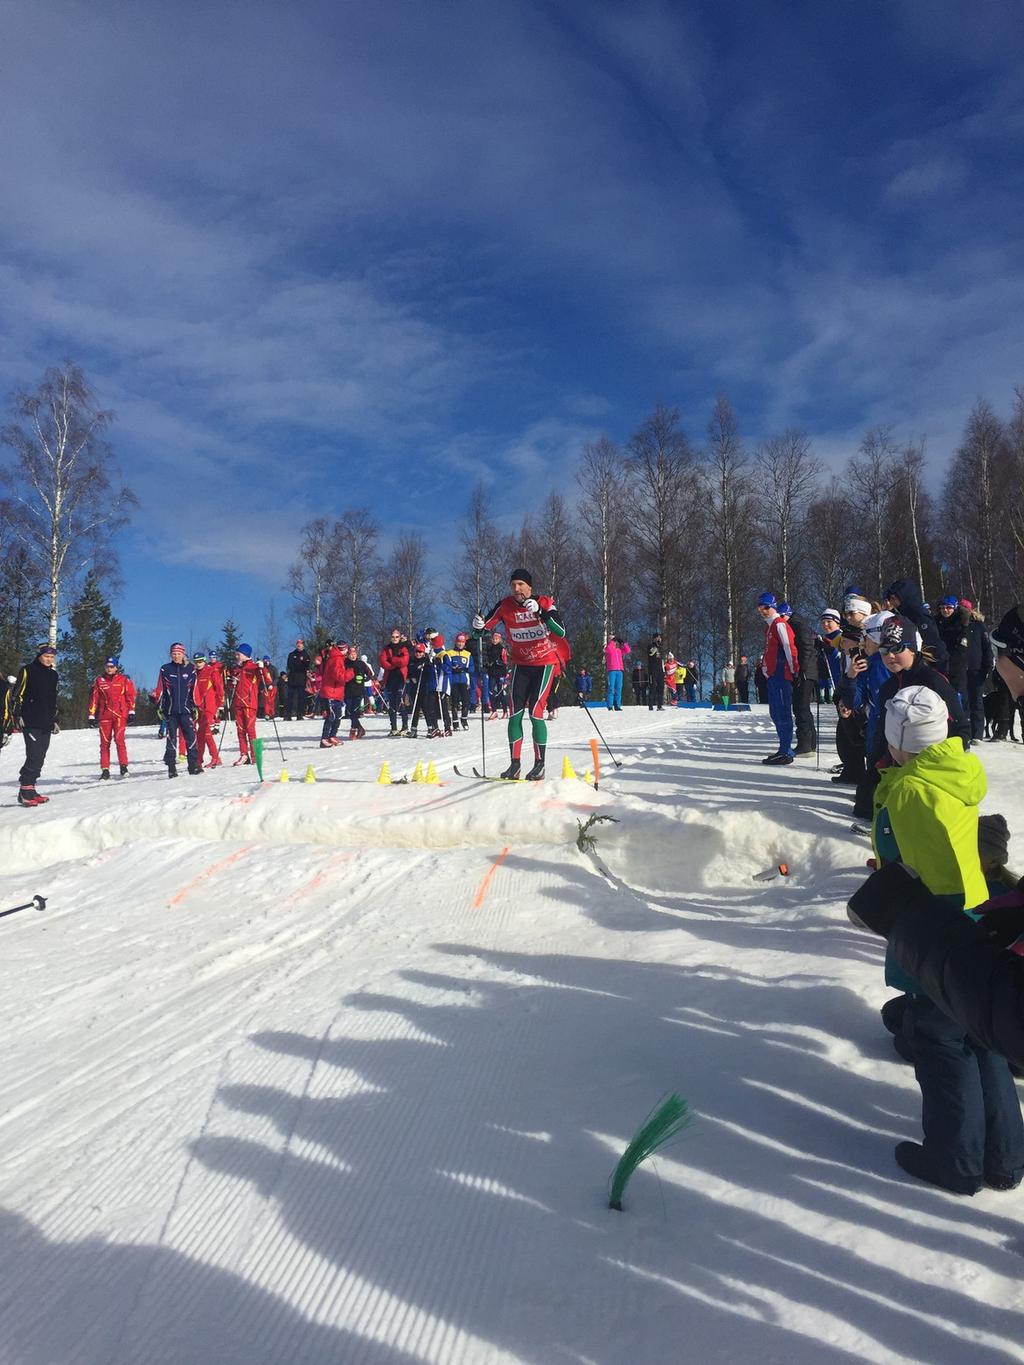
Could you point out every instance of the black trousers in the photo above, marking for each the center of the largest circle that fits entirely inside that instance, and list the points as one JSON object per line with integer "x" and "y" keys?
{"x": 803, "y": 695}
{"x": 36, "y": 744}
{"x": 656, "y": 691}
{"x": 850, "y": 742}
{"x": 295, "y": 701}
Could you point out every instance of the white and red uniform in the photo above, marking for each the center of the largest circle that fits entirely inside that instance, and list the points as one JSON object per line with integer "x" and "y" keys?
{"x": 780, "y": 653}
{"x": 245, "y": 681}
{"x": 529, "y": 639}
{"x": 209, "y": 698}
{"x": 111, "y": 701}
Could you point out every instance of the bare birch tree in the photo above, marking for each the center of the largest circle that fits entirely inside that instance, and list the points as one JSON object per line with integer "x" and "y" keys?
{"x": 355, "y": 567}
{"x": 727, "y": 497}
{"x": 785, "y": 479}
{"x": 660, "y": 465}
{"x": 601, "y": 477}
{"x": 310, "y": 577}
{"x": 405, "y": 593}
{"x": 61, "y": 477}
{"x": 480, "y": 576}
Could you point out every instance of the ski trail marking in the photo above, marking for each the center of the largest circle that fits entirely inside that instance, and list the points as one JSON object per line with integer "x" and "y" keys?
{"x": 315, "y": 881}
{"x": 179, "y": 896}
{"x": 482, "y": 891}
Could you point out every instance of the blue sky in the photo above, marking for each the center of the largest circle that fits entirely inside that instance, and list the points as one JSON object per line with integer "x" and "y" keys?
{"x": 320, "y": 255}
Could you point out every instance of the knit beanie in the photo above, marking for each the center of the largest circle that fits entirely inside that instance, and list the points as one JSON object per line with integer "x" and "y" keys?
{"x": 246, "y": 650}
{"x": 873, "y": 625}
{"x": 524, "y": 575}
{"x": 858, "y": 604}
{"x": 915, "y": 718}
{"x": 994, "y": 838}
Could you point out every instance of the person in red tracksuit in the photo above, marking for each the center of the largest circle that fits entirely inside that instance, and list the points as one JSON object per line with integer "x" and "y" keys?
{"x": 332, "y": 693}
{"x": 111, "y": 707}
{"x": 269, "y": 689}
{"x": 209, "y": 698}
{"x": 245, "y": 680}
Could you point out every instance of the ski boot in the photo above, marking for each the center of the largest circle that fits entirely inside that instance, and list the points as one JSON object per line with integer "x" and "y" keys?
{"x": 104, "y": 774}
{"x": 172, "y": 771}
{"x": 536, "y": 773}
{"x": 465, "y": 725}
{"x": 511, "y": 773}
{"x": 434, "y": 733}
{"x": 360, "y": 732}
{"x": 124, "y": 769}
{"x": 447, "y": 734}
{"x": 195, "y": 769}
{"x": 394, "y": 734}
{"x": 243, "y": 761}
{"x": 411, "y": 734}
{"x": 28, "y": 796}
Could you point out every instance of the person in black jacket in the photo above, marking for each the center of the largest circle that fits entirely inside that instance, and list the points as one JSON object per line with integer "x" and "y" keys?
{"x": 979, "y": 665}
{"x": 904, "y": 598}
{"x": 961, "y": 964}
{"x": 655, "y": 674}
{"x": 953, "y": 625}
{"x": 298, "y": 670}
{"x": 805, "y": 683}
{"x": 743, "y": 680}
{"x": 901, "y": 650}
{"x": 33, "y": 708}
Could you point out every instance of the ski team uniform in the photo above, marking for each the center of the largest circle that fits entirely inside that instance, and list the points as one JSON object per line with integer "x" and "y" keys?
{"x": 245, "y": 695}
{"x": 531, "y": 640}
{"x": 780, "y": 668}
{"x": 332, "y": 691}
{"x": 462, "y": 666}
{"x": 111, "y": 703}
{"x": 269, "y": 690}
{"x": 177, "y": 707}
{"x": 209, "y": 699}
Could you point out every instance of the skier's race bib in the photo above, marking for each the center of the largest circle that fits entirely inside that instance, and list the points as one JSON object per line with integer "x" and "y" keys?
{"x": 526, "y": 627}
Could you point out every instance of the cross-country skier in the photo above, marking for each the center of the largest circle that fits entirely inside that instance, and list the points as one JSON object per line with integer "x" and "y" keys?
{"x": 177, "y": 708}
{"x": 244, "y": 681}
{"x": 209, "y": 698}
{"x": 269, "y": 675}
{"x": 33, "y": 708}
{"x": 112, "y": 707}
{"x": 532, "y": 626}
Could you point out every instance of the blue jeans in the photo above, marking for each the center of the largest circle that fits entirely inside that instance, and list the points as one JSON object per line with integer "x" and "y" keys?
{"x": 691, "y": 691}
{"x": 614, "y": 687}
{"x": 780, "y": 708}
{"x": 970, "y": 1112}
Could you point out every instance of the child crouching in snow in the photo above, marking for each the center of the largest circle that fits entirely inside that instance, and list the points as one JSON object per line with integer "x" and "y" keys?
{"x": 927, "y": 818}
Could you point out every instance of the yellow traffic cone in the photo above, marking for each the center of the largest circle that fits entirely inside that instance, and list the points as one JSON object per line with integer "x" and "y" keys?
{"x": 432, "y": 776}
{"x": 588, "y": 777}
{"x": 417, "y": 772}
{"x": 310, "y": 774}
{"x": 284, "y": 775}
{"x": 567, "y": 768}
{"x": 384, "y": 779}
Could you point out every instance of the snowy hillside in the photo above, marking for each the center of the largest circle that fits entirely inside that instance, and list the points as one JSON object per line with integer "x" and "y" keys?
{"x": 338, "y": 1072}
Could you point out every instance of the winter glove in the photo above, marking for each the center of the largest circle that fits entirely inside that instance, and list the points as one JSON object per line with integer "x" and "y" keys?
{"x": 1004, "y": 923}
{"x": 887, "y": 892}
{"x": 531, "y": 604}
{"x": 131, "y": 717}
{"x": 93, "y": 722}
{"x": 478, "y": 622}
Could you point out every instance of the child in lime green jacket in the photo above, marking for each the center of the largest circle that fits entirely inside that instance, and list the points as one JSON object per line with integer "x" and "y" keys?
{"x": 927, "y": 817}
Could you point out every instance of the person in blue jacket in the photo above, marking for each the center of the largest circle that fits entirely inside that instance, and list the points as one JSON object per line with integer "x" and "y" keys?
{"x": 462, "y": 666}
{"x": 584, "y": 684}
{"x": 866, "y": 675}
{"x": 437, "y": 688}
{"x": 177, "y": 706}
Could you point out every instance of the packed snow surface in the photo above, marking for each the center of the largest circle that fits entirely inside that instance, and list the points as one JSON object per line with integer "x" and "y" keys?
{"x": 339, "y": 1072}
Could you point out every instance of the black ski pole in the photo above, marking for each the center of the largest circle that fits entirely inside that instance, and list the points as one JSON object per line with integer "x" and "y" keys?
{"x": 817, "y": 728}
{"x": 36, "y": 903}
{"x": 483, "y": 718}
{"x": 579, "y": 698}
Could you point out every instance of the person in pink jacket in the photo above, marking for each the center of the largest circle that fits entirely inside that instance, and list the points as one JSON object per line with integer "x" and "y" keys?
{"x": 615, "y": 652}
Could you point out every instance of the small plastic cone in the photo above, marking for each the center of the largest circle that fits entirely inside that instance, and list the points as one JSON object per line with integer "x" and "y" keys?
{"x": 432, "y": 777}
{"x": 384, "y": 779}
{"x": 310, "y": 774}
{"x": 588, "y": 778}
{"x": 567, "y": 768}
{"x": 284, "y": 775}
{"x": 417, "y": 772}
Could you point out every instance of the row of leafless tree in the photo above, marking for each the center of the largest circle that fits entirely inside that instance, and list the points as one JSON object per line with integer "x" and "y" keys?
{"x": 667, "y": 533}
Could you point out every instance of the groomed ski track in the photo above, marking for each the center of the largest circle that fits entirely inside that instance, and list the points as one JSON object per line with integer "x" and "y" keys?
{"x": 339, "y": 1072}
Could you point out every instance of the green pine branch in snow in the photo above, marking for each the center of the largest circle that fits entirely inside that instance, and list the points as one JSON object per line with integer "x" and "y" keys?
{"x": 661, "y": 1125}
{"x": 585, "y": 841}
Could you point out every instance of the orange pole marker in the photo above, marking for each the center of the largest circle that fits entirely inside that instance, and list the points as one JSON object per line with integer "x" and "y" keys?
{"x": 482, "y": 891}
{"x": 597, "y": 762}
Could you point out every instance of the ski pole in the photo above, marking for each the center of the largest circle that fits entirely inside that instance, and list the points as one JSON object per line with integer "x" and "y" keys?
{"x": 277, "y": 736}
{"x": 483, "y": 718}
{"x": 36, "y": 903}
{"x": 817, "y": 729}
{"x": 579, "y": 698}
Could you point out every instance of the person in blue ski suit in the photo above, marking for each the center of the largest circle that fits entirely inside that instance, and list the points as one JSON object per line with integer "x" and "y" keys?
{"x": 177, "y": 707}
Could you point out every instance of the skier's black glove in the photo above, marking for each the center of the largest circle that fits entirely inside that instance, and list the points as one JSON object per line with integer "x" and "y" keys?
{"x": 131, "y": 717}
{"x": 883, "y": 896}
{"x": 93, "y": 722}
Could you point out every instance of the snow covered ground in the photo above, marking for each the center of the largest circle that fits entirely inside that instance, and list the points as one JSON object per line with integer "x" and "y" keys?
{"x": 339, "y": 1072}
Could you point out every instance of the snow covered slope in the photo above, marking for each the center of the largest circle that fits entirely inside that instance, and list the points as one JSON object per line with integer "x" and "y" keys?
{"x": 339, "y": 1072}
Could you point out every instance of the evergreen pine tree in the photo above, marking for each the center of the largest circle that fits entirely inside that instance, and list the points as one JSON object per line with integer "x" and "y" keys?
{"x": 231, "y": 639}
{"x": 95, "y": 633}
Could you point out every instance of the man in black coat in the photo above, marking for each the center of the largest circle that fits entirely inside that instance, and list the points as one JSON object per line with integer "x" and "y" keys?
{"x": 904, "y": 597}
{"x": 979, "y": 666}
{"x": 655, "y": 674}
{"x": 953, "y": 625}
{"x": 743, "y": 680}
{"x": 298, "y": 670}
{"x": 804, "y": 684}
{"x": 33, "y": 706}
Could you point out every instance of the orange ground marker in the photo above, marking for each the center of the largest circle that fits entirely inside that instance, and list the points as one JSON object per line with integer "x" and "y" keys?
{"x": 596, "y": 753}
{"x": 482, "y": 892}
{"x": 179, "y": 896}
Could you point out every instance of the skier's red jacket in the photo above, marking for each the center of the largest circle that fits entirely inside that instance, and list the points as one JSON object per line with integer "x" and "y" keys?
{"x": 395, "y": 657}
{"x": 208, "y": 691}
{"x": 112, "y": 697}
{"x": 780, "y": 646}
{"x": 332, "y": 677}
{"x": 532, "y": 639}
{"x": 246, "y": 684}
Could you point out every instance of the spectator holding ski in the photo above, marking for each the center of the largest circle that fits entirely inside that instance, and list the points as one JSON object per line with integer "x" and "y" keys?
{"x": 111, "y": 708}
{"x": 532, "y": 626}
{"x": 33, "y": 709}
